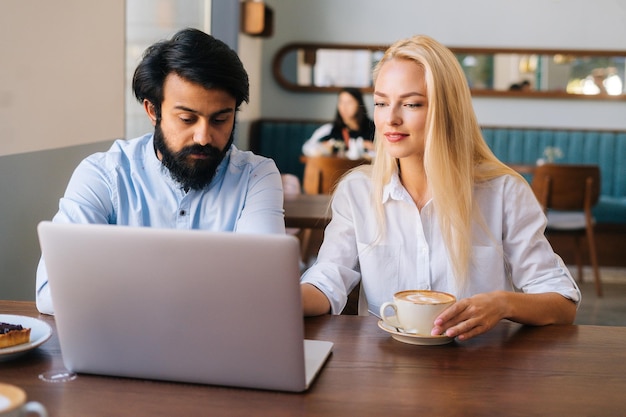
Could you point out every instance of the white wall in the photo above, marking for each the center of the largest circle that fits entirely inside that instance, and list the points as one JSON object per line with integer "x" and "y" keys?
{"x": 567, "y": 24}
{"x": 61, "y": 73}
{"x": 62, "y": 66}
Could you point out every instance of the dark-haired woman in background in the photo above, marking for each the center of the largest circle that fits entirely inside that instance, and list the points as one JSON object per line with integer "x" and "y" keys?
{"x": 351, "y": 122}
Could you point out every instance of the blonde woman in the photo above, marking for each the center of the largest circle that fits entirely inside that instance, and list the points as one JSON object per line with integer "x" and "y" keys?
{"x": 437, "y": 210}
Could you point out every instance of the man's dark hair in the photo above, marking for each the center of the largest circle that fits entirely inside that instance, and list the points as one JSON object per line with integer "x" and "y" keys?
{"x": 196, "y": 57}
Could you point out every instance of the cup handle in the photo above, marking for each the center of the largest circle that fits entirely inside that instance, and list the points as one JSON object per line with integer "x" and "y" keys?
{"x": 35, "y": 407}
{"x": 390, "y": 320}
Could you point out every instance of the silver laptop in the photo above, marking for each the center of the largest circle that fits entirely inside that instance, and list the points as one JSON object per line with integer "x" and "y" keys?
{"x": 191, "y": 306}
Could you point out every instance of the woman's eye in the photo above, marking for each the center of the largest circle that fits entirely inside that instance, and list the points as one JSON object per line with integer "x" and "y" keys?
{"x": 379, "y": 104}
{"x": 414, "y": 105}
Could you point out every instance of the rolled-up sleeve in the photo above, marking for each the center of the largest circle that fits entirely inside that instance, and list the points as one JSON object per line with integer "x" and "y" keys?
{"x": 534, "y": 266}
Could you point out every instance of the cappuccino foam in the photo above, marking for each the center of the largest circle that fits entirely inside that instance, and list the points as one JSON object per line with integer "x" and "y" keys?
{"x": 425, "y": 297}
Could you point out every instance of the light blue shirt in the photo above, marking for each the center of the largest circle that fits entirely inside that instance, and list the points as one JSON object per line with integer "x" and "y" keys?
{"x": 412, "y": 254}
{"x": 128, "y": 185}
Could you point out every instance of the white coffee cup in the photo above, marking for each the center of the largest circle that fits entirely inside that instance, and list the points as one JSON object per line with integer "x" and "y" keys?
{"x": 13, "y": 403}
{"x": 415, "y": 311}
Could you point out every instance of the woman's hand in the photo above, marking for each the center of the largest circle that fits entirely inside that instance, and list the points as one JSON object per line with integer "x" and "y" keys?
{"x": 472, "y": 316}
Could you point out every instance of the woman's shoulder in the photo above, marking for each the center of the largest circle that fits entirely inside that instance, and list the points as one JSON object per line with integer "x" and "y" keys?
{"x": 503, "y": 180}
{"x": 354, "y": 187}
{"x": 357, "y": 178}
{"x": 508, "y": 187}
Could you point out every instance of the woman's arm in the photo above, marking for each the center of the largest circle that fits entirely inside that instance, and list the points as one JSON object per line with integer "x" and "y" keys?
{"x": 313, "y": 145}
{"x": 548, "y": 294}
{"x": 475, "y": 315}
{"x": 314, "y": 302}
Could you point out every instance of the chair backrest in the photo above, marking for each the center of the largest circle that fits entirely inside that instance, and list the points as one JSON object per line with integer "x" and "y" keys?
{"x": 291, "y": 185}
{"x": 567, "y": 187}
{"x": 321, "y": 173}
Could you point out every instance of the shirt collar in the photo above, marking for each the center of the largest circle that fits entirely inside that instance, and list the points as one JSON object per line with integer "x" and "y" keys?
{"x": 394, "y": 190}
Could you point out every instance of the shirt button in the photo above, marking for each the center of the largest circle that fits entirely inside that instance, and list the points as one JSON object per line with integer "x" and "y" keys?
{"x": 182, "y": 212}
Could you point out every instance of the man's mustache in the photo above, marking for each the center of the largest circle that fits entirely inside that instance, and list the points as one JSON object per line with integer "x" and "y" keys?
{"x": 206, "y": 150}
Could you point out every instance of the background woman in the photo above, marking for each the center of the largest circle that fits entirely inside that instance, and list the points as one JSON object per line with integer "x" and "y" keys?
{"x": 351, "y": 122}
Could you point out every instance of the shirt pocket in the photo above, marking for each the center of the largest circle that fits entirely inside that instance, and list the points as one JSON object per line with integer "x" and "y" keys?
{"x": 380, "y": 270}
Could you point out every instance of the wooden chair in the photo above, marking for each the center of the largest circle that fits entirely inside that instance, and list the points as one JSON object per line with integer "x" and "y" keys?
{"x": 321, "y": 173}
{"x": 568, "y": 193}
{"x": 292, "y": 187}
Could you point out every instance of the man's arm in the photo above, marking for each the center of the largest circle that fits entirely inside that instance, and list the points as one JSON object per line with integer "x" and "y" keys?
{"x": 86, "y": 200}
{"x": 42, "y": 290}
{"x": 263, "y": 207}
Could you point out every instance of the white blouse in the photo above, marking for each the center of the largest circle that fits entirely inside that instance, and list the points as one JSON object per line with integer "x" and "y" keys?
{"x": 412, "y": 253}
{"x": 313, "y": 145}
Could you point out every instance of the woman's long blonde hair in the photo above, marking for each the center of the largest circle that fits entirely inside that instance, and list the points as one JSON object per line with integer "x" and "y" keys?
{"x": 456, "y": 155}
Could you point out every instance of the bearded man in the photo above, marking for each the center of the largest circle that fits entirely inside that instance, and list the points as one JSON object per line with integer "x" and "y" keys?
{"x": 187, "y": 174}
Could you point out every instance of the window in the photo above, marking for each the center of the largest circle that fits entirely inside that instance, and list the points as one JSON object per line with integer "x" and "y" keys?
{"x": 148, "y": 21}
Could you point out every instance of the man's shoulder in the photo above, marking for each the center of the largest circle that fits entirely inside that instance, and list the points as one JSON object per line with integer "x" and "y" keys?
{"x": 132, "y": 146}
{"x": 124, "y": 149}
{"x": 240, "y": 158}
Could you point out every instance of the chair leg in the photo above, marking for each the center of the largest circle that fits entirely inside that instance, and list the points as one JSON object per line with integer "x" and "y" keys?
{"x": 578, "y": 258}
{"x": 594, "y": 259}
{"x": 305, "y": 238}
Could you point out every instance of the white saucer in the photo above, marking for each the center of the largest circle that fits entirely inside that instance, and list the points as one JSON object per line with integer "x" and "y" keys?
{"x": 40, "y": 332}
{"x": 414, "y": 339}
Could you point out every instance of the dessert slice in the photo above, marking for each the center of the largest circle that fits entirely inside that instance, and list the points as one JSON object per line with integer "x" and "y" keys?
{"x": 13, "y": 334}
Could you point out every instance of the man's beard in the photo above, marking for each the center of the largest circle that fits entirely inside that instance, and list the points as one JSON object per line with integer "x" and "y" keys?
{"x": 189, "y": 172}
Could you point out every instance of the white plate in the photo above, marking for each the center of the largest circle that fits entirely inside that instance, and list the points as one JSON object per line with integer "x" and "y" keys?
{"x": 414, "y": 339}
{"x": 40, "y": 332}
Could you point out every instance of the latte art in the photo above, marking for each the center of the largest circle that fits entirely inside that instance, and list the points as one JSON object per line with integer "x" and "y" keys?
{"x": 425, "y": 297}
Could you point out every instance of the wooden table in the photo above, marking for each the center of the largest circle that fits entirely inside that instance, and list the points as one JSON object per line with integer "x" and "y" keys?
{"x": 509, "y": 371}
{"x": 307, "y": 211}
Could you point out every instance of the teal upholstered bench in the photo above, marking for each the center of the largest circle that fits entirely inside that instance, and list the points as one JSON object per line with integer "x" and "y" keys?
{"x": 606, "y": 149}
{"x": 282, "y": 141}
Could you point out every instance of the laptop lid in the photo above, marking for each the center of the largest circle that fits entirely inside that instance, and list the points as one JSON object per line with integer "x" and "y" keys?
{"x": 191, "y": 306}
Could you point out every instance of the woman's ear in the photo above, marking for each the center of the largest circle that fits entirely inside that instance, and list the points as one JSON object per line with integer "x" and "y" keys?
{"x": 150, "y": 110}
